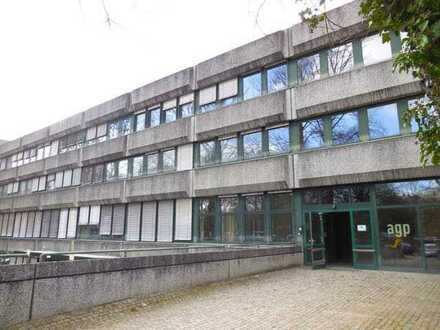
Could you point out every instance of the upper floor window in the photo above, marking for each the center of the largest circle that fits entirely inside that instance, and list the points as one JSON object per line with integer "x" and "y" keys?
{"x": 207, "y": 99}
{"x": 186, "y": 105}
{"x": 383, "y": 121}
{"x": 277, "y": 78}
{"x": 138, "y": 166}
{"x": 312, "y": 133}
{"x": 170, "y": 110}
{"x": 340, "y": 59}
{"x": 252, "y": 86}
{"x": 140, "y": 122}
{"x": 169, "y": 160}
{"x": 252, "y": 145}
{"x": 154, "y": 117}
{"x": 308, "y": 68}
{"x": 123, "y": 169}
{"x": 110, "y": 171}
{"x": 207, "y": 153}
{"x": 229, "y": 149}
{"x": 374, "y": 51}
{"x": 153, "y": 163}
{"x": 279, "y": 140}
{"x": 228, "y": 91}
{"x": 345, "y": 128}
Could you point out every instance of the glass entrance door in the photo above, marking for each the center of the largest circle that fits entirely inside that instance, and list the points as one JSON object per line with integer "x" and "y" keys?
{"x": 364, "y": 253}
{"x": 314, "y": 246}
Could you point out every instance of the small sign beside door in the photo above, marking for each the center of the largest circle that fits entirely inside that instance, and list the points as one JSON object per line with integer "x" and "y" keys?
{"x": 361, "y": 227}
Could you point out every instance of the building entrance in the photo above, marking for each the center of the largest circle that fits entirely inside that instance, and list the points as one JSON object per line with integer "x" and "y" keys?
{"x": 337, "y": 238}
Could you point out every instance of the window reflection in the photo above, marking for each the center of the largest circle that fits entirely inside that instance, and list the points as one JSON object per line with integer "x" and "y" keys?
{"x": 229, "y": 217}
{"x": 340, "y": 59}
{"x": 169, "y": 160}
{"x": 277, "y": 78}
{"x": 414, "y": 192}
{"x": 308, "y": 68}
{"x": 383, "y": 121}
{"x": 207, "y": 153}
{"x": 186, "y": 110}
{"x": 374, "y": 51}
{"x": 229, "y": 149}
{"x": 138, "y": 166}
{"x": 345, "y": 128}
{"x": 278, "y": 140}
{"x": 252, "y": 145}
{"x": 254, "y": 218}
{"x": 313, "y": 133}
{"x": 252, "y": 86}
{"x": 430, "y": 221}
{"x": 152, "y": 163}
{"x": 207, "y": 219}
{"x": 155, "y": 117}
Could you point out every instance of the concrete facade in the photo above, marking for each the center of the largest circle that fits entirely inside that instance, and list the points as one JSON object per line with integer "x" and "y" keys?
{"x": 362, "y": 87}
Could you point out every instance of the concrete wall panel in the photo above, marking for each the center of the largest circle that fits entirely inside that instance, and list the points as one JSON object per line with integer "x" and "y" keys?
{"x": 31, "y": 169}
{"x": 8, "y": 174}
{"x": 110, "y": 109}
{"x": 111, "y": 149}
{"x": 9, "y": 146}
{"x": 110, "y": 192}
{"x": 27, "y": 202}
{"x": 62, "y": 161}
{"x": 35, "y": 137}
{"x": 61, "y": 198}
{"x": 67, "y": 125}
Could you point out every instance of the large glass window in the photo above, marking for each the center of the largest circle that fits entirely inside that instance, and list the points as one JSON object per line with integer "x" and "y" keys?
{"x": 113, "y": 130}
{"x": 312, "y": 133}
{"x": 281, "y": 217}
{"x": 340, "y": 59}
{"x": 123, "y": 169}
{"x": 207, "y": 219}
{"x": 254, "y": 218}
{"x": 140, "y": 122}
{"x": 170, "y": 115}
{"x": 138, "y": 166}
{"x": 110, "y": 171}
{"x": 99, "y": 173}
{"x": 277, "y": 78}
{"x": 383, "y": 121}
{"x": 207, "y": 153}
{"x": 278, "y": 140}
{"x": 373, "y": 50}
{"x": 125, "y": 126}
{"x": 169, "y": 160}
{"x": 252, "y": 145}
{"x": 87, "y": 175}
{"x": 430, "y": 221}
{"x": 252, "y": 86}
{"x": 152, "y": 163}
{"x": 308, "y": 68}
{"x": 229, "y": 149}
{"x": 410, "y": 192}
{"x": 345, "y": 128}
{"x": 399, "y": 239}
{"x": 155, "y": 117}
{"x": 186, "y": 110}
{"x": 229, "y": 217}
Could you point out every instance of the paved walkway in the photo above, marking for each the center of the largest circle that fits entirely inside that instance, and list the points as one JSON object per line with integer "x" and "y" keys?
{"x": 290, "y": 299}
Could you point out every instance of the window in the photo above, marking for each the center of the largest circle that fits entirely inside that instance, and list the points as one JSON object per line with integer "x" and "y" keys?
{"x": 170, "y": 115}
{"x": 186, "y": 110}
{"x": 123, "y": 169}
{"x": 113, "y": 130}
{"x": 41, "y": 183}
{"x": 125, "y": 126}
{"x": 254, "y": 218}
{"x": 277, "y": 78}
{"x": 345, "y": 128}
{"x": 228, "y": 91}
{"x": 409, "y": 192}
{"x": 34, "y": 185}
{"x": 87, "y": 175}
{"x": 374, "y": 51}
{"x": 91, "y": 133}
{"x": 140, "y": 122}
{"x": 308, "y": 68}
{"x": 59, "y": 179}
{"x": 46, "y": 151}
{"x": 152, "y": 163}
{"x": 67, "y": 178}
{"x": 278, "y": 140}
{"x": 207, "y": 219}
{"x": 51, "y": 182}
{"x": 76, "y": 177}
{"x": 207, "y": 107}
{"x": 99, "y": 173}
{"x": 207, "y": 153}
{"x": 252, "y": 145}
{"x": 138, "y": 166}
{"x": 252, "y": 86}
{"x": 229, "y": 149}
{"x": 281, "y": 217}
{"x": 40, "y": 153}
{"x": 414, "y": 125}
{"x": 110, "y": 171}
{"x": 229, "y": 219}
{"x": 340, "y": 59}
{"x": 169, "y": 160}
{"x": 155, "y": 117}
{"x": 383, "y": 121}
{"x": 207, "y": 99}
{"x": 312, "y": 133}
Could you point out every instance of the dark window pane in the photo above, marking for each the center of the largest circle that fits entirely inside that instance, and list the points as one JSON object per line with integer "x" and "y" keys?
{"x": 399, "y": 239}
{"x": 362, "y": 228}
{"x": 308, "y": 68}
{"x": 169, "y": 160}
{"x": 345, "y": 128}
{"x": 282, "y": 227}
{"x": 207, "y": 219}
{"x": 113, "y": 130}
{"x": 383, "y": 121}
{"x": 207, "y": 153}
{"x": 327, "y": 196}
{"x": 278, "y": 140}
{"x": 340, "y": 59}
{"x": 186, "y": 110}
{"x": 252, "y": 86}
{"x": 125, "y": 126}
{"x": 430, "y": 221}
{"x": 313, "y": 133}
{"x": 207, "y": 107}
{"x": 229, "y": 150}
{"x": 87, "y": 174}
{"x": 170, "y": 115}
{"x": 311, "y": 197}
{"x": 359, "y": 194}
{"x": 277, "y": 78}
{"x": 281, "y": 201}
{"x": 410, "y": 192}
{"x": 154, "y": 117}
{"x": 229, "y": 218}
{"x": 252, "y": 145}
{"x": 341, "y": 195}
{"x": 99, "y": 173}
{"x": 254, "y": 203}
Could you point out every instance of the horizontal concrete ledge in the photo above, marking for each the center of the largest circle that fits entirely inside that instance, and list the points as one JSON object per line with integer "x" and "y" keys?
{"x": 104, "y": 151}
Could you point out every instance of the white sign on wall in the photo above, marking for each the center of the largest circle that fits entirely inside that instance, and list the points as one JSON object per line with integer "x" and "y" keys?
{"x": 361, "y": 227}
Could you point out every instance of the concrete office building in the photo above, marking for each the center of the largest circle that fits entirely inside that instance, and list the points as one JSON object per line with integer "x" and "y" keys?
{"x": 294, "y": 138}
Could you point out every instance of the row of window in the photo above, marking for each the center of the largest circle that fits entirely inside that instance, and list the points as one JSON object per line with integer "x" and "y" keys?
{"x": 148, "y": 221}
{"x": 60, "y": 179}
{"x": 340, "y": 59}
{"x": 268, "y": 141}
{"x": 148, "y": 164}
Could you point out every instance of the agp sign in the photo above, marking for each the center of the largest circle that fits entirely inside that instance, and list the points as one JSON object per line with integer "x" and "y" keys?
{"x": 398, "y": 230}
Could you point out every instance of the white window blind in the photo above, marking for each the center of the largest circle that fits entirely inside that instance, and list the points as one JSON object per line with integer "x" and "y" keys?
{"x": 76, "y": 177}
{"x": 62, "y": 228}
{"x": 54, "y": 148}
{"x": 54, "y": 222}
{"x": 34, "y": 184}
{"x": 83, "y": 215}
{"x": 133, "y": 221}
{"x": 45, "y": 224}
{"x": 67, "y": 178}
{"x": 30, "y": 226}
{"x": 58, "y": 179}
{"x": 4, "y": 224}
{"x": 118, "y": 220}
{"x": 228, "y": 89}
{"x": 165, "y": 221}
{"x": 183, "y": 219}
{"x": 17, "y": 225}
{"x": 148, "y": 221}
{"x": 42, "y": 183}
{"x": 101, "y": 130}
{"x": 186, "y": 98}
{"x": 169, "y": 104}
{"x": 95, "y": 211}
{"x": 23, "y": 224}
{"x": 106, "y": 220}
{"x": 71, "y": 226}
{"x": 37, "y": 224}
{"x": 91, "y": 133}
{"x": 207, "y": 95}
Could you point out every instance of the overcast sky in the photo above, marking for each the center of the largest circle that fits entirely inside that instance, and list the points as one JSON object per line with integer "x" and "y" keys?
{"x": 59, "y": 57}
